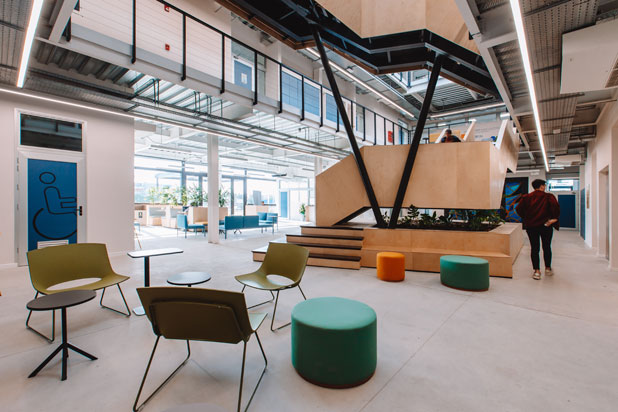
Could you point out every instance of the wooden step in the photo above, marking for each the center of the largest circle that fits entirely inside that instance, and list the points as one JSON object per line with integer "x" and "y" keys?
{"x": 332, "y": 231}
{"x": 325, "y": 240}
{"x": 326, "y": 249}
{"x": 319, "y": 259}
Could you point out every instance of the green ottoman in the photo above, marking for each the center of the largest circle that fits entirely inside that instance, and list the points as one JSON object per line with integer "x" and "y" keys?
{"x": 464, "y": 272}
{"x": 334, "y": 342}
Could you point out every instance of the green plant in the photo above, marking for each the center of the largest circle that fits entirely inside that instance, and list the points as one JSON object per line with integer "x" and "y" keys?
{"x": 223, "y": 197}
{"x": 413, "y": 212}
{"x": 428, "y": 221}
{"x": 194, "y": 196}
{"x": 302, "y": 209}
{"x": 153, "y": 195}
{"x": 446, "y": 219}
{"x": 166, "y": 195}
{"x": 386, "y": 218}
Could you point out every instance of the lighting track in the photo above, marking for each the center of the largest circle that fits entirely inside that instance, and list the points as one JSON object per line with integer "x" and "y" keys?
{"x": 523, "y": 48}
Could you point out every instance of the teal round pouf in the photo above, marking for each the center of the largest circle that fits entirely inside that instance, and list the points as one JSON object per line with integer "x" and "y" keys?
{"x": 334, "y": 341}
{"x": 464, "y": 272}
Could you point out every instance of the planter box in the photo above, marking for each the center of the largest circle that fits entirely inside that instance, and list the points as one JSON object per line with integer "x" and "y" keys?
{"x": 423, "y": 248}
{"x": 199, "y": 214}
{"x": 154, "y": 214}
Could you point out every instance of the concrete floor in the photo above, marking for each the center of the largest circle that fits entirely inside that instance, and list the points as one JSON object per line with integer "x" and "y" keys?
{"x": 524, "y": 345}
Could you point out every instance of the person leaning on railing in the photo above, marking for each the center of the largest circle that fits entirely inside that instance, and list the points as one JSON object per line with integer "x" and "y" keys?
{"x": 449, "y": 137}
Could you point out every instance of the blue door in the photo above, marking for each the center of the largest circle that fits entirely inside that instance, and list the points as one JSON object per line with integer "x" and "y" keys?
{"x": 283, "y": 203}
{"x": 567, "y": 210}
{"x": 242, "y": 75}
{"x": 52, "y": 202}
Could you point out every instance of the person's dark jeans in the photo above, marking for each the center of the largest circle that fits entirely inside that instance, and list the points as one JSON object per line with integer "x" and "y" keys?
{"x": 538, "y": 235}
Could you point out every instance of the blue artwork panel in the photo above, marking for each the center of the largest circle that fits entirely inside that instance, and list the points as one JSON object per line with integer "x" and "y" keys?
{"x": 514, "y": 188}
{"x": 52, "y": 201}
{"x": 242, "y": 75}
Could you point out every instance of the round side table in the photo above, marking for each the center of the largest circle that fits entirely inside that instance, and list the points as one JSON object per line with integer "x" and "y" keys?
{"x": 189, "y": 278}
{"x": 62, "y": 301}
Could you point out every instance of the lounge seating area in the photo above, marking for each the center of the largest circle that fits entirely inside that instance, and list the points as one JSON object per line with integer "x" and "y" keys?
{"x": 420, "y": 311}
{"x": 238, "y": 223}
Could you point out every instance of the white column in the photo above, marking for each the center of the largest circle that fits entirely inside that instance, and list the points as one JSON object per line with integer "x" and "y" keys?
{"x": 213, "y": 189}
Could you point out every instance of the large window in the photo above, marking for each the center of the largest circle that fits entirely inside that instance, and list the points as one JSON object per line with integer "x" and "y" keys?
{"x": 312, "y": 99}
{"x": 259, "y": 191}
{"x": 291, "y": 90}
{"x": 331, "y": 108}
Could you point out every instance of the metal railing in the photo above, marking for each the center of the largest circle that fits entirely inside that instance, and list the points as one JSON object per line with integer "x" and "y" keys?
{"x": 389, "y": 127}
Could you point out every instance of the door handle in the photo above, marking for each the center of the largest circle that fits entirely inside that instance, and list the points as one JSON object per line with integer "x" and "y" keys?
{"x": 80, "y": 211}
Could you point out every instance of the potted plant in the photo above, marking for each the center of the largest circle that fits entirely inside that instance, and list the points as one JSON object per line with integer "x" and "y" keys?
{"x": 223, "y": 195}
{"x": 302, "y": 210}
{"x": 195, "y": 197}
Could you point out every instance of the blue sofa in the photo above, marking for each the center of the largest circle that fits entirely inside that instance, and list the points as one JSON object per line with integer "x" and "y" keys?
{"x": 182, "y": 224}
{"x": 266, "y": 218}
{"x": 236, "y": 223}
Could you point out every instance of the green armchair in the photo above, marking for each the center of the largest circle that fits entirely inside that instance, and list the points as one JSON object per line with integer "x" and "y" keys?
{"x": 200, "y": 315}
{"x": 283, "y": 259}
{"x": 54, "y": 265}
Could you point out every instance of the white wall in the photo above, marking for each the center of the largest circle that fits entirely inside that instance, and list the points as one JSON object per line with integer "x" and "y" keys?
{"x": 603, "y": 155}
{"x": 109, "y": 174}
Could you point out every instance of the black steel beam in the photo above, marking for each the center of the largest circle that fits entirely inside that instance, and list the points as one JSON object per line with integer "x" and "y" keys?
{"x": 373, "y": 201}
{"x": 418, "y": 132}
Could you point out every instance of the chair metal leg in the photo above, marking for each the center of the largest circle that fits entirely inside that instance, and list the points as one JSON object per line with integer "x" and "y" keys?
{"x": 242, "y": 374}
{"x": 139, "y": 392}
{"x": 259, "y": 304}
{"x": 123, "y": 299}
{"x": 53, "y": 336}
{"x": 272, "y": 322}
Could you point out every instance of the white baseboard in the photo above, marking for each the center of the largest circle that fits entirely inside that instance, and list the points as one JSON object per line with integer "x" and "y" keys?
{"x": 8, "y": 265}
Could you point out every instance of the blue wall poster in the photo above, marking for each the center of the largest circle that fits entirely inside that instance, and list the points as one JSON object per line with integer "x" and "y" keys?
{"x": 52, "y": 201}
{"x": 514, "y": 188}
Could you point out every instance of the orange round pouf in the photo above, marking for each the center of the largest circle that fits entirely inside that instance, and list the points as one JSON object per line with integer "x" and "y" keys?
{"x": 391, "y": 266}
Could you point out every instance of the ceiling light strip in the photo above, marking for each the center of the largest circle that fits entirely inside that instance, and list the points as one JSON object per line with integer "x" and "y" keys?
{"x": 365, "y": 85}
{"x": 28, "y": 40}
{"x": 165, "y": 122}
{"x": 523, "y": 48}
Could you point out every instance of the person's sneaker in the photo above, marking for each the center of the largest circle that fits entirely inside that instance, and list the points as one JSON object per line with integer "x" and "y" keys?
{"x": 549, "y": 272}
{"x": 536, "y": 275}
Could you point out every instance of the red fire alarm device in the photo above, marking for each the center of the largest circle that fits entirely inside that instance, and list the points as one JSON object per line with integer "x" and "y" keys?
{"x": 167, "y": 47}
{"x": 166, "y": 8}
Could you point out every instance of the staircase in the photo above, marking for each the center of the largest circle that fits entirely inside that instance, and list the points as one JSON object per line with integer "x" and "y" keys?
{"x": 335, "y": 247}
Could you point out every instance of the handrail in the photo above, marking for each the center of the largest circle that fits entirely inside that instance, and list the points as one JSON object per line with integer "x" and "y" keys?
{"x": 323, "y": 90}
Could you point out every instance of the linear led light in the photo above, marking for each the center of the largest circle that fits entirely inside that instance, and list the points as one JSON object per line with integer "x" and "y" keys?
{"x": 467, "y": 110}
{"x": 523, "y": 48}
{"x": 365, "y": 85}
{"x": 168, "y": 123}
{"x": 25, "y": 54}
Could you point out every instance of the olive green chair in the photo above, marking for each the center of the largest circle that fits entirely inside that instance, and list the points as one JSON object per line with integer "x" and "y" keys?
{"x": 202, "y": 315}
{"x": 54, "y": 265}
{"x": 283, "y": 259}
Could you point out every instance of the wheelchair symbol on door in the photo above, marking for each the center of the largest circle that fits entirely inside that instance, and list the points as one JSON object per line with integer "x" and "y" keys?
{"x": 59, "y": 213}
